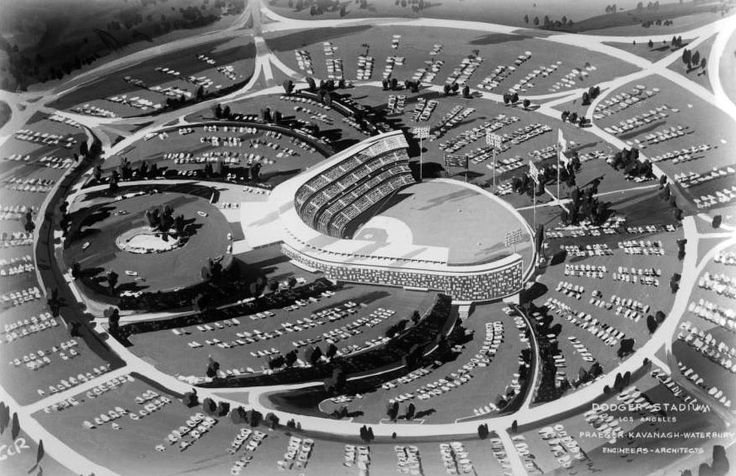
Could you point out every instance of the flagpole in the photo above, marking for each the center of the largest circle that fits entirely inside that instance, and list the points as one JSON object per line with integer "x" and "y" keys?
{"x": 558, "y": 172}
{"x": 421, "y": 157}
{"x": 494, "y": 170}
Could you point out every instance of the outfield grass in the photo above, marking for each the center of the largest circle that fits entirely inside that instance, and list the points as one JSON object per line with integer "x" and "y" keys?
{"x": 470, "y": 225}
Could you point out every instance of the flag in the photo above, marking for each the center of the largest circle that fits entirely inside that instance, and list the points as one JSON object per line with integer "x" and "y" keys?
{"x": 533, "y": 172}
{"x": 564, "y": 159}
{"x": 561, "y": 142}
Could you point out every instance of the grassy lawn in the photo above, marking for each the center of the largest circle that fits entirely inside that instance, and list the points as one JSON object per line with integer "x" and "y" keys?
{"x": 5, "y": 113}
{"x": 100, "y": 226}
{"x": 237, "y": 52}
{"x": 61, "y": 38}
{"x": 24, "y": 461}
{"x": 588, "y": 17}
{"x": 697, "y": 74}
{"x": 658, "y": 50}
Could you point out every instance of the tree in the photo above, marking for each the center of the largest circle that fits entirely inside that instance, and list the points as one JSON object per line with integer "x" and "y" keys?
{"x": 271, "y": 420}
{"x": 410, "y": 411}
{"x": 237, "y": 415}
{"x": 686, "y": 56}
{"x": 720, "y": 464}
{"x": 76, "y": 270}
{"x": 586, "y": 98}
{"x": 253, "y": 417}
{"x": 466, "y": 91}
{"x": 273, "y": 285}
{"x": 113, "y": 318}
{"x": 539, "y": 238}
{"x": 40, "y": 452}
{"x": 313, "y": 355}
{"x": 190, "y": 399}
{"x": 526, "y": 18}
{"x": 212, "y": 367}
{"x": 651, "y": 324}
{"x": 311, "y": 84}
{"x": 223, "y": 408}
{"x": 4, "y": 417}
{"x": 28, "y": 221}
{"x": 716, "y": 223}
{"x": 696, "y": 58}
{"x": 288, "y": 86}
{"x": 255, "y": 171}
{"x": 276, "y": 362}
{"x": 112, "y": 280}
{"x": 483, "y": 431}
{"x": 703, "y": 62}
{"x": 15, "y": 427}
{"x": 626, "y": 347}
{"x": 291, "y": 358}
{"x": 677, "y": 213}
{"x": 392, "y": 410}
{"x": 336, "y": 381}
{"x": 536, "y": 21}
{"x": 526, "y": 103}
